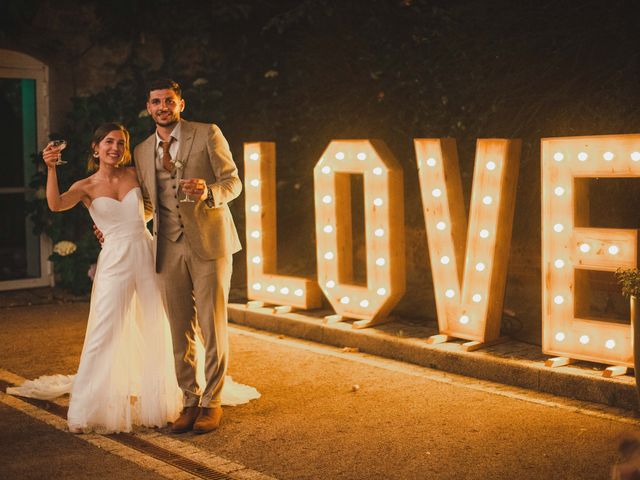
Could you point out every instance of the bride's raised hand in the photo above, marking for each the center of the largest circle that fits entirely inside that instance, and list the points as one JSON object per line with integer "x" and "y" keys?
{"x": 50, "y": 155}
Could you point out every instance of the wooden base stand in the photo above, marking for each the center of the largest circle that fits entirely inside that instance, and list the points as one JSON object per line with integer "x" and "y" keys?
{"x": 440, "y": 338}
{"x": 476, "y": 345}
{"x": 558, "y": 362}
{"x": 614, "y": 371}
{"x": 466, "y": 346}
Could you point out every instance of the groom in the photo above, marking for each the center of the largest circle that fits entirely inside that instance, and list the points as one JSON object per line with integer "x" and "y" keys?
{"x": 193, "y": 243}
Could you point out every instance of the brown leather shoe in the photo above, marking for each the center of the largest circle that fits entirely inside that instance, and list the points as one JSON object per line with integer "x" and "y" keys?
{"x": 208, "y": 420}
{"x": 184, "y": 423}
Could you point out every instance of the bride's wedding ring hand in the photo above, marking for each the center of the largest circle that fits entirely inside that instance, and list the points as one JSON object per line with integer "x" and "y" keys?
{"x": 98, "y": 234}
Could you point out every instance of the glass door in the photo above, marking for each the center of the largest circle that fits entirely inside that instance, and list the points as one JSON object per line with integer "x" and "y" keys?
{"x": 23, "y": 255}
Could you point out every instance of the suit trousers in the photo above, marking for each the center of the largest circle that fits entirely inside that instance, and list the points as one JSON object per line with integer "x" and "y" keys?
{"x": 195, "y": 293}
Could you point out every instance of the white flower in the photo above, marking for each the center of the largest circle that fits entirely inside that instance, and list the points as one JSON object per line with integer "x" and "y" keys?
{"x": 64, "y": 248}
{"x": 200, "y": 81}
{"x": 143, "y": 113}
{"x": 178, "y": 164}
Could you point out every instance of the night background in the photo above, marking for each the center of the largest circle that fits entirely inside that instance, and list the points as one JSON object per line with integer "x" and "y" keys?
{"x": 301, "y": 73}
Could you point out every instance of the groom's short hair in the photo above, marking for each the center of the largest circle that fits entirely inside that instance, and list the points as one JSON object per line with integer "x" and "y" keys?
{"x": 164, "y": 84}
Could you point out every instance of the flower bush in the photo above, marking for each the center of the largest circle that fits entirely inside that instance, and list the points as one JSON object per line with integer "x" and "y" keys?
{"x": 629, "y": 281}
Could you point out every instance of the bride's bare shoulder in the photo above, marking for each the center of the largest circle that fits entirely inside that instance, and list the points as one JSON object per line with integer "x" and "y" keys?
{"x": 82, "y": 184}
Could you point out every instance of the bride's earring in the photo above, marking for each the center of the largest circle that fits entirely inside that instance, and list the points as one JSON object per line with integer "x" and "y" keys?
{"x": 96, "y": 154}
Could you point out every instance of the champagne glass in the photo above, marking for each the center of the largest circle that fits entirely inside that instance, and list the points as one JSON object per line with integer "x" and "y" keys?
{"x": 59, "y": 145}
{"x": 187, "y": 198}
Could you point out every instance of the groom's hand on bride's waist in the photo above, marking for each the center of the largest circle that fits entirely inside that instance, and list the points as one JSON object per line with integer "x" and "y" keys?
{"x": 98, "y": 234}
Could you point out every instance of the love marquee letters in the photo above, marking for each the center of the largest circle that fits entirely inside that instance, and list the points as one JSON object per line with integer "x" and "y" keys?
{"x": 468, "y": 257}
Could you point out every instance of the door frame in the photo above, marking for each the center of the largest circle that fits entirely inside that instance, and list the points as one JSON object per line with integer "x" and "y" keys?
{"x": 20, "y": 65}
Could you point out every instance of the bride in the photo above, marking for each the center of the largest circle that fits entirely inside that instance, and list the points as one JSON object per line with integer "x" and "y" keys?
{"x": 126, "y": 374}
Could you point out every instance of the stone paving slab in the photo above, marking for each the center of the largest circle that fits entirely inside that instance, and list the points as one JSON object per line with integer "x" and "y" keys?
{"x": 511, "y": 363}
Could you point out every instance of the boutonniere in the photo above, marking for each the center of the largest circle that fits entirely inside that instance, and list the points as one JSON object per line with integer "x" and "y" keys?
{"x": 177, "y": 164}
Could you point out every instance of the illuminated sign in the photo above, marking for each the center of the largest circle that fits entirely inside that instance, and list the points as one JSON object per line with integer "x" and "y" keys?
{"x": 384, "y": 229}
{"x": 570, "y": 247}
{"x": 263, "y": 283}
{"x": 468, "y": 262}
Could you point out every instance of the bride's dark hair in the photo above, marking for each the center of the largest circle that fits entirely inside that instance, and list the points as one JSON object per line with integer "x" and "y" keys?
{"x": 101, "y": 132}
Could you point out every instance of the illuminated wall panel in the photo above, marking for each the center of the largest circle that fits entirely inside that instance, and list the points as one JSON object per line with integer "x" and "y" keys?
{"x": 568, "y": 245}
{"x": 263, "y": 283}
{"x": 469, "y": 278}
{"x": 384, "y": 228}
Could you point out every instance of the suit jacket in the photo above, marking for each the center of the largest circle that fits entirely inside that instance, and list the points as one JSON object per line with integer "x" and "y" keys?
{"x": 204, "y": 153}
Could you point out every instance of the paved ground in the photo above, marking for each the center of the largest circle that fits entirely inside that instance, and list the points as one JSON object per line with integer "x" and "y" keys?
{"x": 324, "y": 413}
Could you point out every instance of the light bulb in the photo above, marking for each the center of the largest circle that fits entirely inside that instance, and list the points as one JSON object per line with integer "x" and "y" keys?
{"x": 377, "y": 202}
{"x": 559, "y": 263}
{"x": 255, "y": 234}
{"x": 380, "y": 261}
{"x": 559, "y": 191}
{"x": 256, "y": 286}
{"x": 464, "y": 319}
{"x": 431, "y": 162}
{"x": 271, "y": 288}
{"x": 364, "y": 303}
{"x": 441, "y": 225}
{"x": 560, "y": 336}
{"x": 326, "y": 169}
{"x": 558, "y": 157}
{"x": 328, "y": 256}
{"x": 361, "y": 156}
{"x": 613, "y": 249}
{"x": 255, "y": 182}
{"x": 449, "y": 293}
{"x": 381, "y": 291}
{"x": 254, "y": 156}
{"x": 298, "y": 292}
{"x": 584, "y": 339}
{"x": 284, "y": 290}
{"x": 345, "y": 300}
{"x": 480, "y": 266}
{"x": 255, "y": 208}
{"x": 608, "y": 156}
{"x": 436, "y": 192}
{"x": 484, "y": 233}
{"x": 610, "y": 344}
{"x": 379, "y": 232}
{"x": 558, "y": 227}
{"x": 256, "y": 260}
{"x": 635, "y": 156}
{"x": 444, "y": 260}
{"x": 340, "y": 156}
{"x": 491, "y": 166}
{"x": 558, "y": 299}
{"x": 582, "y": 156}
{"x": 377, "y": 171}
{"x": 330, "y": 284}
{"x": 326, "y": 199}
{"x": 328, "y": 229}
{"x": 476, "y": 298}
{"x": 487, "y": 200}
{"x": 585, "y": 247}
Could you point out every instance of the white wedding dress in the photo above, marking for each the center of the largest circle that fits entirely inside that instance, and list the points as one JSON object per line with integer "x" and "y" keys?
{"x": 126, "y": 374}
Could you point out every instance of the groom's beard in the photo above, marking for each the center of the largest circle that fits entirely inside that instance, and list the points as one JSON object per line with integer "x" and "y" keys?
{"x": 167, "y": 121}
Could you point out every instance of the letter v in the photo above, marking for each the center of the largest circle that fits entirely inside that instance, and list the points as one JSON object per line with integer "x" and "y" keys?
{"x": 469, "y": 278}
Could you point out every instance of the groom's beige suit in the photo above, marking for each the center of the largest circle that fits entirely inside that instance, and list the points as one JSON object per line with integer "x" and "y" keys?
{"x": 193, "y": 247}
